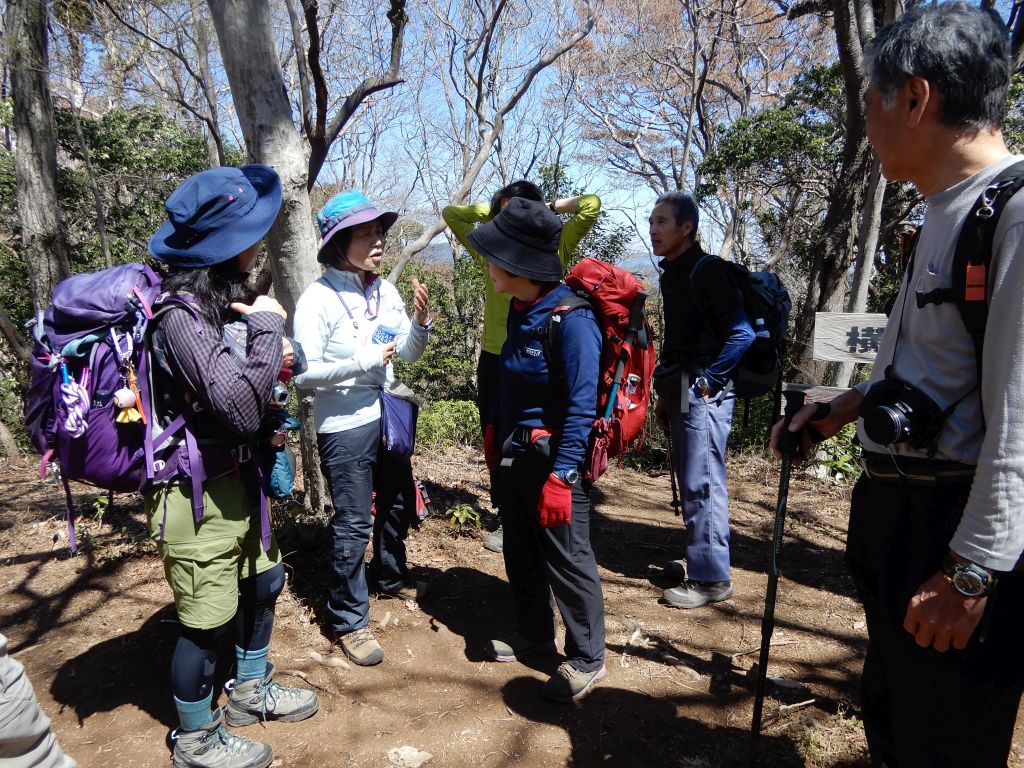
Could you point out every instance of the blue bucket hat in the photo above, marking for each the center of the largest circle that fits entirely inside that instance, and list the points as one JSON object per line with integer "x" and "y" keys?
{"x": 347, "y": 209}
{"x": 217, "y": 214}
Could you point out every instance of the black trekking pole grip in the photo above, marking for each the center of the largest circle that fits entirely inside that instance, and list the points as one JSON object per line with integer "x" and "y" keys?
{"x": 788, "y": 448}
{"x": 789, "y": 442}
{"x": 636, "y": 312}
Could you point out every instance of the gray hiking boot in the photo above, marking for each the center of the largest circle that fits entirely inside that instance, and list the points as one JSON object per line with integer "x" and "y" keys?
{"x": 214, "y": 746}
{"x": 570, "y": 684}
{"x": 495, "y": 542}
{"x": 361, "y": 646}
{"x": 694, "y": 594}
{"x": 518, "y": 647}
{"x": 261, "y": 700}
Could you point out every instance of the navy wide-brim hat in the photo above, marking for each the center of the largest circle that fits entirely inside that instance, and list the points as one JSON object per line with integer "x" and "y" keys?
{"x": 523, "y": 240}
{"x": 217, "y": 214}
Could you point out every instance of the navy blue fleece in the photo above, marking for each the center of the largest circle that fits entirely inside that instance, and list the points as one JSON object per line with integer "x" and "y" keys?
{"x": 527, "y": 395}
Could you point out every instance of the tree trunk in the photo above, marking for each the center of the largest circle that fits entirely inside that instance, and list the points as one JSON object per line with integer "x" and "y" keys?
{"x": 45, "y": 247}
{"x": 8, "y": 445}
{"x": 826, "y": 285}
{"x": 214, "y": 143}
{"x": 94, "y": 187}
{"x": 246, "y": 34}
{"x": 867, "y": 244}
{"x": 21, "y": 348}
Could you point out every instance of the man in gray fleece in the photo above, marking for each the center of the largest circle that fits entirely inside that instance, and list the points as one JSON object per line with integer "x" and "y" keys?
{"x": 937, "y": 524}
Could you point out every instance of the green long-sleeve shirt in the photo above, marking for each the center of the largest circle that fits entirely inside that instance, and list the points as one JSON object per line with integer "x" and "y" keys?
{"x": 463, "y": 219}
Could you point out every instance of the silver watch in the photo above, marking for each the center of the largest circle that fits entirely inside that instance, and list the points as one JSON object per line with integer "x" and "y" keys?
{"x": 969, "y": 579}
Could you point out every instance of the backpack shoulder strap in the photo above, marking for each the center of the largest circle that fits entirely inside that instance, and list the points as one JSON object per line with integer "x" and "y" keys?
{"x": 704, "y": 259}
{"x": 553, "y": 337}
{"x": 973, "y": 254}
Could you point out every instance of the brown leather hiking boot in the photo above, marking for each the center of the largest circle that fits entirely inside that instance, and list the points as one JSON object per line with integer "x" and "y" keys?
{"x": 361, "y": 647}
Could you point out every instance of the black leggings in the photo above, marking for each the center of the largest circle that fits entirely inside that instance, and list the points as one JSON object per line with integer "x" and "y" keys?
{"x": 195, "y": 655}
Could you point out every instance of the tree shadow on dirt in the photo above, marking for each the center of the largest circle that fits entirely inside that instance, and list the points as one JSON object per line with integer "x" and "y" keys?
{"x": 132, "y": 669}
{"x": 44, "y": 612}
{"x": 618, "y": 727}
{"x": 638, "y": 549}
{"x": 452, "y": 591}
{"x": 306, "y": 548}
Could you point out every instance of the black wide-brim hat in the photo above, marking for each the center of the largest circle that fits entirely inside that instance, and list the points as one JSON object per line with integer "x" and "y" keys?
{"x": 523, "y": 240}
{"x": 217, "y": 214}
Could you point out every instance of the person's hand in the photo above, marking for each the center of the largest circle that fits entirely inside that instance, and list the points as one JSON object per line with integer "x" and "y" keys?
{"x": 420, "y": 302}
{"x": 814, "y": 425}
{"x": 288, "y": 352}
{"x": 661, "y": 414}
{"x": 939, "y": 616}
{"x": 387, "y": 352}
{"x": 555, "y": 505}
{"x": 261, "y": 304}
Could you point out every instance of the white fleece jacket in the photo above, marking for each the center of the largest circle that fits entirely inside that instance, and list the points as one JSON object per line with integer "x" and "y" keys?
{"x": 336, "y": 319}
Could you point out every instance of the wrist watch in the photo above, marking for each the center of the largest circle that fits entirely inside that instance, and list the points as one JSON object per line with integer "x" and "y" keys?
{"x": 969, "y": 579}
{"x": 569, "y": 476}
{"x": 703, "y": 385}
{"x": 552, "y": 207}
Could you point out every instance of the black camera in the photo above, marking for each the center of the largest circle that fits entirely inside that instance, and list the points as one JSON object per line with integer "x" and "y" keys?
{"x": 897, "y": 412}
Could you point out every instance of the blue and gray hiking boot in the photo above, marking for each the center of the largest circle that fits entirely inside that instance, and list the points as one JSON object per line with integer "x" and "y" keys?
{"x": 260, "y": 700}
{"x": 214, "y": 746}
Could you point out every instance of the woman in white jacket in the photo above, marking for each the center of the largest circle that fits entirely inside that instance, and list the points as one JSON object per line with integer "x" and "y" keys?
{"x": 351, "y": 323}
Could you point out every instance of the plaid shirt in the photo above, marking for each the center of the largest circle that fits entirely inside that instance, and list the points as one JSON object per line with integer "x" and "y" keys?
{"x": 232, "y": 391}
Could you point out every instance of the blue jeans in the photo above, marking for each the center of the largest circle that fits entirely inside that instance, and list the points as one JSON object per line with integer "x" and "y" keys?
{"x": 355, "y": 467}
{"x": 698, "y": 439}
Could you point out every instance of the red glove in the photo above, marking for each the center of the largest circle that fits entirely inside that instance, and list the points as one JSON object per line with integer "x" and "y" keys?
{"x": 492, "y": 457}
{"x": 555, "y": 506}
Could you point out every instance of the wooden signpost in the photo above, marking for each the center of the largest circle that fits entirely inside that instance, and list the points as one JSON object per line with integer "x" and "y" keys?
{"x": 842, "y": 337}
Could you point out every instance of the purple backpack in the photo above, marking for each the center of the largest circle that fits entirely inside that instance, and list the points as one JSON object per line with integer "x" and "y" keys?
{"x": 90, "y": 401}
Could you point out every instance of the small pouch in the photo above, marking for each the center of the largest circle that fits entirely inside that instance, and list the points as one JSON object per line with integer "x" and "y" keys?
{"x": 399, "y": 410}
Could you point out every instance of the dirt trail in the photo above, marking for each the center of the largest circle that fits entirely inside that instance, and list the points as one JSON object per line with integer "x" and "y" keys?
{"x": 96, "y": 633}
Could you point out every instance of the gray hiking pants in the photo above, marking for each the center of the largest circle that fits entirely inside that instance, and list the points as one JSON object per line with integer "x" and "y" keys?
{"x": 26, "y": 740}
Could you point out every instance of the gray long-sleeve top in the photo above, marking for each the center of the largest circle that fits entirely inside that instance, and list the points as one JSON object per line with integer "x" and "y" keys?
{"x": 930, "y": 348}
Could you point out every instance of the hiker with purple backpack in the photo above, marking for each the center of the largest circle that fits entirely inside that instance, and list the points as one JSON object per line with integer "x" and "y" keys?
{"x": 220, "y": 558}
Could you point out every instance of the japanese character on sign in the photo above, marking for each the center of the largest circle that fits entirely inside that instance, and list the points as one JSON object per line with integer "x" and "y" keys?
{"x": 864, "y": 339}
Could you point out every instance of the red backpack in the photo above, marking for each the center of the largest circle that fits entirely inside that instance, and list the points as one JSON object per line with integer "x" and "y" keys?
{"x": 627, "y": 356}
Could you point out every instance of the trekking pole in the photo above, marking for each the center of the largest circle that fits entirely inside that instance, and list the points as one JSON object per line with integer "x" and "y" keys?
{"x": 633, "y": 329}
{"x": 788, "y": 446}
{"x": 676, "y": 504}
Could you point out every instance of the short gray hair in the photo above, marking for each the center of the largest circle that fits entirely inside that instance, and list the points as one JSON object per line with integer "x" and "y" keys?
{"x": 961, "y": 50}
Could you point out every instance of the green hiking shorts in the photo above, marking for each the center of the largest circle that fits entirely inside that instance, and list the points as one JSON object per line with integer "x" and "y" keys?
{"x": 204, "y": 561}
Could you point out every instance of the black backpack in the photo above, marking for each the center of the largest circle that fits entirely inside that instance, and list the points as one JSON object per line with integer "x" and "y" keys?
{"x": 973, "y": 254}
{"x": 767, "y": 304}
